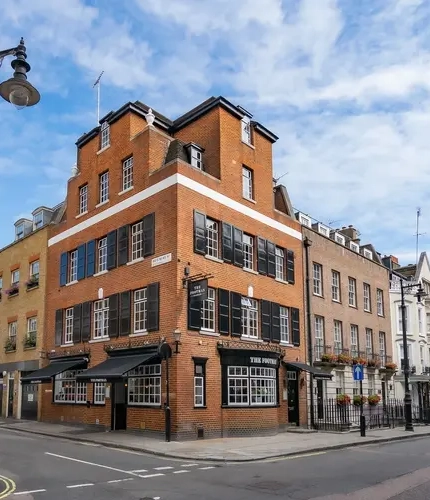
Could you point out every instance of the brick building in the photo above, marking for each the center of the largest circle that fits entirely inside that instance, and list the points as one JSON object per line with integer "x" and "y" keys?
{"x": 349, "y": 313}
{"x": 156, "y": 210}
{"x": 22, "y": 308}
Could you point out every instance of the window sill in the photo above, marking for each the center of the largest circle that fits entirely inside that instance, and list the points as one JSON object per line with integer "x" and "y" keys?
{"x": 336, "y": 301}
{"x": 156, "y": 406}
{"x": 281, "y": 281}
{"x": 209, "y": 333}
{"x": 200, "y": 407}
{"x": 354, "y": 307}
{"x": 252, "y": 339}
{"x": 70, "y": 403}
{"x": 126, "y": 190}
{"x": 286, "y": 344}
{"x": 67, "y": 345}
{"x": 381, "y": 315}
{"x": 252, "y": 271}
{"x": 366, "y": 311}
{"x": 32, "y": 288}
{"x": 248, "y": 144}
{"x": 318, "y": 295}
{"x": 249, "y": 199}
{"x": 102, "y": 203}
{"x": 100, "y": 273}
{"x": 29, "y": 348}
{"x": 139, "y": 334}
{"x": 214, "y": 259}
{"x": 135, "y": 261}
{"x": 70, "y": 283}
{"x": 96, "y": 341}
{"x": 100, "y": 151}
{"x": 249, "y": 407}
{"x": 81, "y": 214}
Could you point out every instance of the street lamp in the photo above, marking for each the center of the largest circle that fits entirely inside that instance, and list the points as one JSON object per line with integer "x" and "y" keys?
{"x": 406, "y": 369}
{"x": 17, "y": 90}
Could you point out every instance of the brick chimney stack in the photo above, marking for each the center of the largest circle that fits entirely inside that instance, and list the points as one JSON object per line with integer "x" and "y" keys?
{"x": 351, "y": 233}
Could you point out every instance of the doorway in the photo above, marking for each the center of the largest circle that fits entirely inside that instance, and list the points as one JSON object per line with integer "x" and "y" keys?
{"x": 29, "y": 400}
{"x": 293, "y": 397}
{"x": 10, "y": 398}
{"x": 320, "y": 399}
{"x": 119, "y": 406}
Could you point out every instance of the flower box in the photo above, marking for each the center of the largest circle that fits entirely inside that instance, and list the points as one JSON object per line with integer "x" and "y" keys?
{"x": 13, "y": 290}
{"x": 10, "y": 345}
{"x": 32, "y": 282}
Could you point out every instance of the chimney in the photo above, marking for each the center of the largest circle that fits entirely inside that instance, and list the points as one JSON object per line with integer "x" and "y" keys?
{"x": 394, "y": 259}
{"x": 350, "y": 232}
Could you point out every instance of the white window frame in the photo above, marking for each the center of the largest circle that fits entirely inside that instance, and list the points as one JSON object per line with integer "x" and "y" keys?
{"x": 284, "y": 324}
{"x": 367, "y": 305}
{"x": 319, "y": 336}
{"x": 105, "y": 135}
{"x": 38, "y": 220}
{"x": 262, "y": 386}
{"x": 371, "y": 384}
{"x": 83, "y": 199}
{"x": 1, "y": 282}
{"x": 34, "y": 270}
{"x": 379, "y": 302}
{"x": 73, "y": 266}
{"x": 247, "y": 183}
{"x": 208, "y": 312}
{"x": 420, "y": 320}
{"x": 31, "y": 326}
{"x": 14, "y": 277}
{"x": 12, "y": 329}
{"x": 212, "y": 238}
{"x": 246, "y": 130}
{"x": 401, "y": 353}
{"x": 145, "y": 382}
{"x": 369, "y": 342}
{"x": 248, "y": 251}
{"x": 399, "y": 318}
{"x": 127, "y": 174}
{"x": 68, "y": 326}
{"x": 196, "y": 158}
{"x": 324, "y": 230}
{"x": 367, "y": 253}
{"x": 249, "y": 318}
{"x": 353, "y": 332}
{"x": 335, "y": 286}
{"x": 338, "y": 238}
{"x": 382, "y": 346}
{"x": 317, "y": 279}
{"x": 279, "y": 263}
{"x": 99, "y": 393}
{"x": 102, "y": 255}
{"x": 137, "y": 241}
{"x": 104, "y": 187}
{"x": 352, "y": 292}
{"x": 19, "y": 231}
{"x": 354, "y": 247}
{"x": 101, "y": 319}
{"x": 68, "y": 390}
{"x": 199, "y": 385}
{"x": 305, "y": 220}
{"x": 140, "y": 311}
{"x": 340, "y": 382}
{"x": 337, "y": 336}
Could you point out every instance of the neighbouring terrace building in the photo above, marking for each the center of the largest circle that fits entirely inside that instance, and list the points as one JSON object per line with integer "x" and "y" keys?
{"x": 22, "y": 306}
{"x": 417, "y": 328}
{"x": 175, "y": 234}
{"x": 348, "y": 314}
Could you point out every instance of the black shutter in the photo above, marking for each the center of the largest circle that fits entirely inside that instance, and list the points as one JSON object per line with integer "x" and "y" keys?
{"x": 64, "y": 260}
{"x": 223, "y": 311}
{"x": 149, "y": 235}
{"x": 123, "y": 237}
{"x": 77, "y": 313}
{"x": 81, "y": 262}
{"x": 236, "y": 313}
{"x": 227, "y": 242}
{"x": 91, "y": 258}
{"x": 113, "y": 316}
{"x": 86, "y": 321}
{"x": 290, "y": 267}
{"x": 153, "y": 307}
{"x": 261, "y": 256}
{"x": 276, "y": 322}
{"x": 265, "y": 320}
{"x": 238, "y": 247}
{"x": 271, "y": 259}
{"x": 111, "y": 249}
{"x": 295, "y": 326}
{"x": 199, "y": 232}
{"x": 58, "y": 327}
{"x": 194, "y": 314}
{"x": 125, "y": 314}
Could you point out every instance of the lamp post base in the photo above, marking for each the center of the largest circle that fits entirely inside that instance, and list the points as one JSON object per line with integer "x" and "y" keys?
{"x": 408, "y": 413}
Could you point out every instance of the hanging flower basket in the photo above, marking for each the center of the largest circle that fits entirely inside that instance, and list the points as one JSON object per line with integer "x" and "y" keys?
{"x": 359, "y": 400}
{"x": 344, "y": 359}
{"x": 391, "y": 366}
{"x": 359, "y": 361}
{"x": 372, "y": 363}
{"x": 343, "y": 399}
{"x": 374, "y": 399}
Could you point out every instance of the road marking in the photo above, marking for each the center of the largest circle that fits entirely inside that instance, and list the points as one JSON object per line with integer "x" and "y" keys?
{"x": 30, "y": 492}
{"x": 189, "y": 465}
{"x": 206, "y": 468}
{"x": 152, "y": 475}
{"x": 180, "y": 471}
{"x": 80, "y": 485}
{"x": 121, "y": 480}
{"x": 89, "y": 463}
{"x": 138, "y": 471}
{"x": 163, "y": 468}
{"x": 293, "y": 457}
{"x": 9, "y": 487}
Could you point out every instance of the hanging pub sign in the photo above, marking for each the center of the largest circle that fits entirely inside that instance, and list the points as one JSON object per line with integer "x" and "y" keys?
{"x": 198, "y": 290}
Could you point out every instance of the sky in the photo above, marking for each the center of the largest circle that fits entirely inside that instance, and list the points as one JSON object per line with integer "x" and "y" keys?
{"x": 345, "y": 84}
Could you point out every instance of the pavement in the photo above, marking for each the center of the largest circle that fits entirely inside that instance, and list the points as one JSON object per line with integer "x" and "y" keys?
{"x": 35, "y": 467}
{"x": 229, "y": 450}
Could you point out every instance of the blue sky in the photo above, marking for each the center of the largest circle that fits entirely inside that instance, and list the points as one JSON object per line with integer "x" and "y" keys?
{"x": 345, "y": 84}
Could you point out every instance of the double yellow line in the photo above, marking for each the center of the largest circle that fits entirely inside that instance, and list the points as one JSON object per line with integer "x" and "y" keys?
{"x": 9, "y": 487}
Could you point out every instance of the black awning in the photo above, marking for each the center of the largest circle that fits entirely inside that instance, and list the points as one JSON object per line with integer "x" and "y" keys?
{"x": 54, "y": 368}
{"x": 114, "y": 368}
{"x": 316, "y": 372}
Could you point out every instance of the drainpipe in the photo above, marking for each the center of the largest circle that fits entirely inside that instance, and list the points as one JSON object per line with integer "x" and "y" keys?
{"x": 307, "y": 244}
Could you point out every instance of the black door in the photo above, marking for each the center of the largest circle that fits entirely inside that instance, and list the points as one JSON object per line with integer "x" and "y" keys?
{"x": 10, "y": 399}
{"x": 1, "y": 400}
{"x": 293, "y": 397}
{"x": 320, "y": 399}
{"x": 119, "y": 406}
{"x": 29, "y": 401}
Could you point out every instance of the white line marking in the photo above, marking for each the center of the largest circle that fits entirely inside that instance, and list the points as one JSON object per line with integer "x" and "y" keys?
{"x": 138, "y": 471}
{"x": 180, "y": 471}
{"x": 206, "y": 468}
{"x": 121, "y": 480}
{"x": 90, "y": 463}
{"x": 152, "y": 475}
{"x": 163, "y": 468}
{"x": 80, "y": 485}
{"x": 156, "y": 498}
{"x": 189, "y": 465}
{"x": 29, "y": 492}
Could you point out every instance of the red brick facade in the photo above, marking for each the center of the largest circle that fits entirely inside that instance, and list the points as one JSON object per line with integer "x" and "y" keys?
{"x": 166, "y": 185}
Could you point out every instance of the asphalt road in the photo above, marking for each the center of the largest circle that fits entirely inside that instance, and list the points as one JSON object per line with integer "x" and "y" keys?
{"x": 35, "y": 467}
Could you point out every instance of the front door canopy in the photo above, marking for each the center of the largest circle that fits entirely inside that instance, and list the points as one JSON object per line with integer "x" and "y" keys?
{"x": 313, "y": 370}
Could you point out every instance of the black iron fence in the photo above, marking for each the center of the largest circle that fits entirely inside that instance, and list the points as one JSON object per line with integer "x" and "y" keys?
{"x": 330, "y": 415}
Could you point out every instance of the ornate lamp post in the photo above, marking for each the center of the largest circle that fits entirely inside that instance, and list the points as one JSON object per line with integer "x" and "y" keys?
{"x": 17, "y": 90}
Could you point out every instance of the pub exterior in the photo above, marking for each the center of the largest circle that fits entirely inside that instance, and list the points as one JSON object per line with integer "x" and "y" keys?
{"x": 174, "y": 290}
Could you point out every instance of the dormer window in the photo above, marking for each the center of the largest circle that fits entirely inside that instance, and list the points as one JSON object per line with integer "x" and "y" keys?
{"x": 195, "y": 155}
{"x": 324, "y": 230}
{"x": 38, "y": 220}
{"x": 246, "y": 130}
{"x": 104, "y": 135}
{"x": 338, "y": 238}
{"x": 305, "y": 220}
{"x": 354, "y": 247}
{"x": 19, "y": 231}
{"x": 367, "y": 253}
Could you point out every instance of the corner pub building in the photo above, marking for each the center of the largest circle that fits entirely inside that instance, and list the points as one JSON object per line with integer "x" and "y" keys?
{"x": 175, "y": 240}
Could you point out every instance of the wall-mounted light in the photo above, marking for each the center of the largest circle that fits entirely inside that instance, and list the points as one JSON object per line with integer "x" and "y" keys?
{"x": 177, "y": 337}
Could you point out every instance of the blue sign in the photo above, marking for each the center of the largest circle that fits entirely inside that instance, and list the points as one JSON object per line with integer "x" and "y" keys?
{"x": 358, "y": 372}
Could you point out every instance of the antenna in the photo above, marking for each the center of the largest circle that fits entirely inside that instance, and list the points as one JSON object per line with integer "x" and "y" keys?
{"x": 97, "y": 83}
{"x": 418, "y": 234}
{"x": 277, "y": 179}
{"x": 331, "y": 222}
